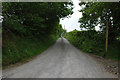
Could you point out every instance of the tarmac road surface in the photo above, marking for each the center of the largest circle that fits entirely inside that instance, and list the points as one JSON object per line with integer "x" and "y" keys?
{"x": 61, "y": 60}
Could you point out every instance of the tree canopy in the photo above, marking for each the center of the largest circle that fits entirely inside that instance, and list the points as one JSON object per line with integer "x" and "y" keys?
{"x": 30, "y": 28}
{"x": 40, "y": 18}
{"x": 95, "y": 13}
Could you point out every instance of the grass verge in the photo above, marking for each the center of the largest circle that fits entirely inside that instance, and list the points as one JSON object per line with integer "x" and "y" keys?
{"x": 17, "y": 49}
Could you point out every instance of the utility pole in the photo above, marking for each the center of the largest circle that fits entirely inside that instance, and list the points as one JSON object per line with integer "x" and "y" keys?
{"x": 106, "y": 44}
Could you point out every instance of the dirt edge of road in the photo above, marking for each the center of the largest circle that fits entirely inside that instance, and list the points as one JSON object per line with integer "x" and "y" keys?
{"x": 109, "y": 65}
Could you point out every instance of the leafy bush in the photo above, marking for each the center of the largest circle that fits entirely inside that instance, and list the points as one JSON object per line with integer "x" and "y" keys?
{"x": 93, "y": 42}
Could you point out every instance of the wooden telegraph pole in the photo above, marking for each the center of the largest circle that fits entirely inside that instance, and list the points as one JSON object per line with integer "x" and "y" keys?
{"x": 106, "y": 45}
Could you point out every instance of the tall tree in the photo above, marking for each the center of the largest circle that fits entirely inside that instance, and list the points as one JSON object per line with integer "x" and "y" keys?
{"x": 34, "y": 18}
{"x": 95, "y": 13}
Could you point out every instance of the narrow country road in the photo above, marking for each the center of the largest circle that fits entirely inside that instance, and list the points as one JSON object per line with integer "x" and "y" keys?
{"x": 61, "y": 60}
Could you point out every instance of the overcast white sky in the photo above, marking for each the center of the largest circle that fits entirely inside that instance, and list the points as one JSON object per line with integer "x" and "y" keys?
{"x": 72, "y": 23}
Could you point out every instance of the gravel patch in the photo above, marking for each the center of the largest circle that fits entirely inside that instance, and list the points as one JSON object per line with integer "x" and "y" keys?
{"x": 108, "y": 64}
